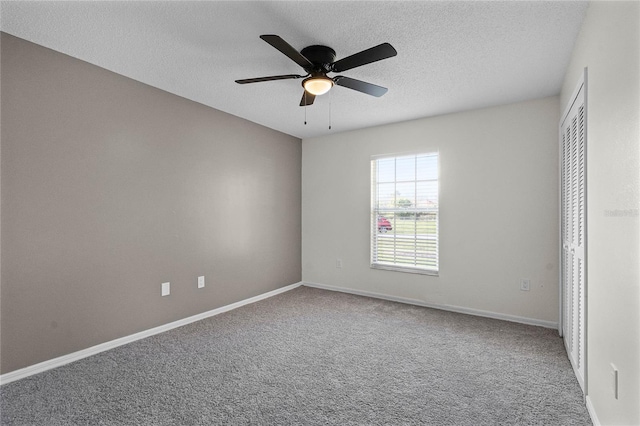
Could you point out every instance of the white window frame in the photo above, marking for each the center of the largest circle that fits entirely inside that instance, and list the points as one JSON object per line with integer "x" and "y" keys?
{"x": 427, "y": 262}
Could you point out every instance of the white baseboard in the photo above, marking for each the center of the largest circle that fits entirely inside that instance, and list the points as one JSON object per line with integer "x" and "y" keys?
{"x": 75, "y": 356}
{"x": 592, "y": 412}
{"x": 452, "y": 308}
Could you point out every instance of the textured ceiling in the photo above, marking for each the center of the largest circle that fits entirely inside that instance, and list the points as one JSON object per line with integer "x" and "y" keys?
{"x": 452, "y": 56}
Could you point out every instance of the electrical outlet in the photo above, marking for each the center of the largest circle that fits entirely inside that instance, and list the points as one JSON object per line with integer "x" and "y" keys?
{"x": 201, "y": 282}
{"x": 166, "y": 289}
{"x": 614, "y": 377}
{"x": 338, "y": 263}
{"x": 525, "y": 284}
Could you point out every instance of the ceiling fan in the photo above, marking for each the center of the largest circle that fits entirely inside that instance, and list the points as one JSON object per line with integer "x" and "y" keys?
{"x": 318, "y": 61}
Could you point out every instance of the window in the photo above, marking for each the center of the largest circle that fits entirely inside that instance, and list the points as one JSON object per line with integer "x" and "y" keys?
{"x": 404, "y": 213}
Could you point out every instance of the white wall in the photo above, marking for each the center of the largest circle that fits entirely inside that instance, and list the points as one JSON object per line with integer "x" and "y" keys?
{"x": 609, "y": 45}
{"x": 498, "y": 205}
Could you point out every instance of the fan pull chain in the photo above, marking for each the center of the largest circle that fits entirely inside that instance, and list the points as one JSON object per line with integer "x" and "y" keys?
{"x": 330, "y": 110}
{"x": 305, "y": 107}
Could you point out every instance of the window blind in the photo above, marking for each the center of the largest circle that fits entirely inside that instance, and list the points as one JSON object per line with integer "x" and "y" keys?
{"x": 404, "y": 213}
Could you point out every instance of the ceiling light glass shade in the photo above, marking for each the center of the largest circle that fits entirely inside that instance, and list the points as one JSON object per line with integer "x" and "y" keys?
{"x": 317, "y": 85}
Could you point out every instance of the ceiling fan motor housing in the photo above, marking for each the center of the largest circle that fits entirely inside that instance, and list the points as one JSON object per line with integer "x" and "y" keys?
{"x": 320, "y": 56}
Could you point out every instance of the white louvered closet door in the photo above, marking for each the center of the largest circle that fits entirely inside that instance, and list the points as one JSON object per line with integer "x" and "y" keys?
{"x": 573, "y": 231}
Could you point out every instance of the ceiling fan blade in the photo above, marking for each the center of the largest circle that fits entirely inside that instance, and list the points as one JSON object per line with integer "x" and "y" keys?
{"x": 360, "y": 86}
{"x": 287, "y": 49}
{"x": 271, "y": 78}
{"x": 376, "y": 53}
{"x": 307, "y": 99}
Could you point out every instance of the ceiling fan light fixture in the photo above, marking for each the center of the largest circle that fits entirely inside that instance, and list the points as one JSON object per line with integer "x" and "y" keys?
{"x": 318, "y": 60}
{"x": 317, "y": 85}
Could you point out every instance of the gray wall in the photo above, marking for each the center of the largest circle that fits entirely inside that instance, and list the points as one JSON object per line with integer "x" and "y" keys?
{"x": 111, "y": 187}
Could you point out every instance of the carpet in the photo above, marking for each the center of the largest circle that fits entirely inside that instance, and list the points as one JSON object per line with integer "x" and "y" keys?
{"x": 314, "y": 357}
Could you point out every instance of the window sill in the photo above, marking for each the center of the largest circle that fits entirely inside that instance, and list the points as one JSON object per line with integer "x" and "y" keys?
{"x": 406, "y": 270}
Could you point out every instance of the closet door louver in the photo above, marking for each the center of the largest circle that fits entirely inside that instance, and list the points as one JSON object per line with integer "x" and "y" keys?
{"x": 573, "y": 221}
